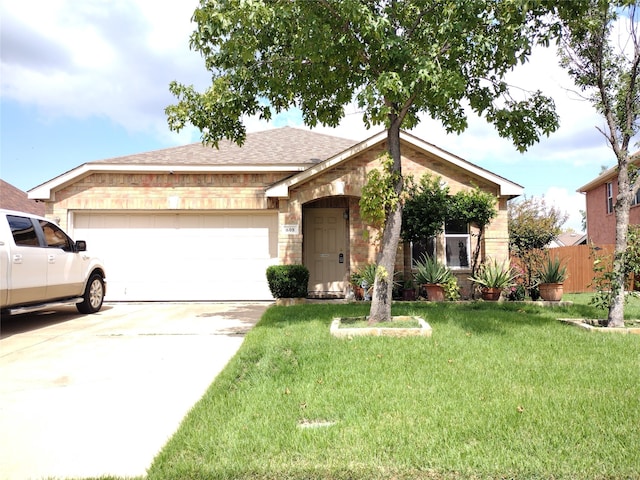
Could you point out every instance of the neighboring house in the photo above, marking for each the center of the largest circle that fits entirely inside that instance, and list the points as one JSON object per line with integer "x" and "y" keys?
{"x": 569, "y": 239}
{"x": 196, "y": 223}
{"x": 12, "y": 198}
{"x": 601, "y": 193}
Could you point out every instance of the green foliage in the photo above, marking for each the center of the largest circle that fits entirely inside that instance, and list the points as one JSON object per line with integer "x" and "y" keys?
{"x": 396, "y": 59}
{"x": 288, "y": 281}
{"x": 474, "y": 206}
{"x": 366, "y": 273}
{"x": 429, "y": 270}
{"x": 552, "y": 271}
{"x": 426, "y": 208}
{"x": 632, "y": 253}
{"x": 492, "y": 274}
{"x": 451, "y": 289}
{"x": 379, "y": 196}
{"x": 533, "y": 224}
{"x": 604, "y": 280}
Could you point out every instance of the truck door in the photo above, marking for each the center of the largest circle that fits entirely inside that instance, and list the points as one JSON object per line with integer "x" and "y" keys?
{"x": 28, "y": 262}
{"x": 64, "y": 265}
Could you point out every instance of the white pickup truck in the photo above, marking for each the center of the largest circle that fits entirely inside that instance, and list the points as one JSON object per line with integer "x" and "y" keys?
{"x": 41, "y": 267}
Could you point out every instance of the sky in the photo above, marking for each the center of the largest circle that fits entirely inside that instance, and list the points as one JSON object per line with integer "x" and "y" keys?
{"x": 88, "y": 80}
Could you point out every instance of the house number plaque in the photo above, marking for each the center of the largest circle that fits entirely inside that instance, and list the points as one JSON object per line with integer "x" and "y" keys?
{"x": 291, "y": 229}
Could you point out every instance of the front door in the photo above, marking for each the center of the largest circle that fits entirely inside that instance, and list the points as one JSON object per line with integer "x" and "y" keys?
{"x": 325, "y": 250}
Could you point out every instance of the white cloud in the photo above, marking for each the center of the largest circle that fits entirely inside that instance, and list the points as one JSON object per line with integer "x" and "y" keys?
{"x": 111, "y": 59}
{"x": 114, "y": 59}
{"x": 567, "y": 202}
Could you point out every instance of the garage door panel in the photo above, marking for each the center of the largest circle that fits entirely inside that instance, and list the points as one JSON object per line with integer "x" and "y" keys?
{"x": 163, "y": 257}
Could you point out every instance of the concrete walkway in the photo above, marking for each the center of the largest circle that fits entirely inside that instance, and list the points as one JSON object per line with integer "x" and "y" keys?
{"x": 95, "y": 395}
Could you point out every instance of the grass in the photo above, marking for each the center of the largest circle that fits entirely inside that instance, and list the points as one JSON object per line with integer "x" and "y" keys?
{"x": 499, "y": 391}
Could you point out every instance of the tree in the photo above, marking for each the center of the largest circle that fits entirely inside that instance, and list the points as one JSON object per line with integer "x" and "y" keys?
{"x": 426, "y": 208}
{"x": 475, "y": 207}
{"x": 532, "y": 226}
{"x": 605, "y": 67}
{"x": 396, "y": 60}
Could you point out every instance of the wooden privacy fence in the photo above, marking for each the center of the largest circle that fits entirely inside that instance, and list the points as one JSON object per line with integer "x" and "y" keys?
{"x": 579, "y": 265}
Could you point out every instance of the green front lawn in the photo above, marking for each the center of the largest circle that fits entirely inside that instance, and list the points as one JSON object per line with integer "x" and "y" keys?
{"x": 499, "y": 391}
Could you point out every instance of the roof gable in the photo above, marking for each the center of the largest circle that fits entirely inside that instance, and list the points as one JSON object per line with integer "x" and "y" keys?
{"x": 506, "y": 187}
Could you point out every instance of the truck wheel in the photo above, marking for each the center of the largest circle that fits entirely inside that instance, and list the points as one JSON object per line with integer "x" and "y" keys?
{"x": 93, "y": 295}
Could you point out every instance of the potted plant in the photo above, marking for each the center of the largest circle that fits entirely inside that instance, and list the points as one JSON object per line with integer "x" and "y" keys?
{"x": 362, "y": 281}
{"x": 492, "y": 278}
{"x": 433, "y": 275}
{"x": 551, "y": 277}
{"x": 409, "y": 290}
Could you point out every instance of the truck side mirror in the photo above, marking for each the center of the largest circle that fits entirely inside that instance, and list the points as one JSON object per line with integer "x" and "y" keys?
{"x": 81, "y": 246}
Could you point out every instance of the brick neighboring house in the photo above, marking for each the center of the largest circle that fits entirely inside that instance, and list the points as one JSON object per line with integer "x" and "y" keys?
{"x": 601, "y": 193}
{"x": 12, "y": 198}
{"x": 196, "y": 223}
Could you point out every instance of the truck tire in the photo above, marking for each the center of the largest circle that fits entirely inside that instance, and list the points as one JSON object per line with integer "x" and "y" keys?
{"x": 93, "y": 295}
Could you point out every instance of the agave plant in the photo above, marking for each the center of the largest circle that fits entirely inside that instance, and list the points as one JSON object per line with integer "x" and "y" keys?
{"x": 552, "y": 271}
{"x": 430, "y": 271}
{"x": 494, "y": 275}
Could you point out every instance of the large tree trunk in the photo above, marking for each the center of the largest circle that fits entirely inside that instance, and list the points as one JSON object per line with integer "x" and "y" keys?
{"x": 623, "y": 204}
{"x": 383, "y": 286}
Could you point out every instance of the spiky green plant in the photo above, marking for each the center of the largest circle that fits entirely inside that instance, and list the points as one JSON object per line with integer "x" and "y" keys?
{"x": 495, "y": 275}
{"x": 429, "y": 270}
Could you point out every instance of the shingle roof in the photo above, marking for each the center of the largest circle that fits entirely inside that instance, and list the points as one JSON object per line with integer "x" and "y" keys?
{"x": 12, "y": 198}
{"x": 609, "y": 174}
{"x": 279, "y": 146}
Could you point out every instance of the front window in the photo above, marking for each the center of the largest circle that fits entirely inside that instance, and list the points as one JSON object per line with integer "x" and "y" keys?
{"x": 457, "y": 244}
{"x": 609, "y": 197}
{"x": 426, "y": 247}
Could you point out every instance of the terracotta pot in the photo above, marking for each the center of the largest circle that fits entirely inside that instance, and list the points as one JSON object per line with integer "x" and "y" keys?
{"x": 409, "y": 294}
{"x": 491, "y": 294}
{"x": 435, "y": 292}
{"x": 551, "y": 292}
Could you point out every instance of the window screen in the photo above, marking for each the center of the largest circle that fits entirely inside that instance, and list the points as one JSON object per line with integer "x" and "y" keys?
{"x": 457, "y": 244}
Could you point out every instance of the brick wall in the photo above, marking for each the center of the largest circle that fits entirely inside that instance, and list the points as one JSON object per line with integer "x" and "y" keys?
{"x": 117, "y": 191}
{"x": 601, "y": 226}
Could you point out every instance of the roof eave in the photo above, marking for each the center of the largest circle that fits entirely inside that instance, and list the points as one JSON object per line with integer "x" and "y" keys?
{"x": 608, "y": 174}
{"x": 45, "y": 191}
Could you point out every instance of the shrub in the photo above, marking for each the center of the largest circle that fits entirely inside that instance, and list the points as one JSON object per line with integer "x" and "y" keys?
{"x": 288, "y": 281}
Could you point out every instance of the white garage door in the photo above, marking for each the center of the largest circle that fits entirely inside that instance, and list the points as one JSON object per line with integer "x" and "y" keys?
{"x": 164, "y": 257}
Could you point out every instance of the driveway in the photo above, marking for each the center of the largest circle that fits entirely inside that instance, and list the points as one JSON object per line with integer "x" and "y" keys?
{"x": 95, "y": 395}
